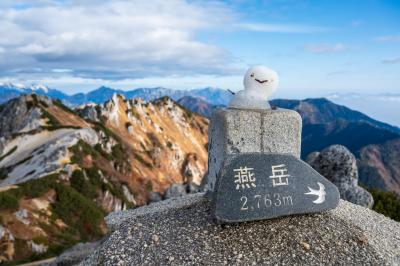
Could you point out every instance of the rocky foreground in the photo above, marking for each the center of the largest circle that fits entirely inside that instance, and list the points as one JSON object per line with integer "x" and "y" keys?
{"x": 181, "y": 231}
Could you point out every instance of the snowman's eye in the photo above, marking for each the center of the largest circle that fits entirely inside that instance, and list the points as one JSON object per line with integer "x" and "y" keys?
{"x": 252, "y": 75}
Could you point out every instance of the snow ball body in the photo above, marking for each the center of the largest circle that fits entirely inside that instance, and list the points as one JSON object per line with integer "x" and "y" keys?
{"x": 259, "y": 83}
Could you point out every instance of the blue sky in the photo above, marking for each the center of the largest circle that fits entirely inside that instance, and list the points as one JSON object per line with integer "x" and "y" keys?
{"x": 317, "y": 47}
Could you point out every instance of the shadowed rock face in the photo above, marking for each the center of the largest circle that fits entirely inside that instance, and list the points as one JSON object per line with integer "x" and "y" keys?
{"x": 20, "y": 115}
{"x": 379, "y": 166}
{"x": 339, "y": 165}
{"x": 182, "y": 232}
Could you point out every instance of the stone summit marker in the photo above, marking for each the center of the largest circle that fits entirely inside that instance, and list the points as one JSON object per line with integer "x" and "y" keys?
{"x": 261, "y": 186}
{"x": 254, "y": 169}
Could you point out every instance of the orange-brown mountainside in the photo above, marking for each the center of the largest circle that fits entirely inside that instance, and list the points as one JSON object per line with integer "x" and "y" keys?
{"x": 60, "y": 173}
{"x": 383, "y": 161}
{"x": 164, "y": 142}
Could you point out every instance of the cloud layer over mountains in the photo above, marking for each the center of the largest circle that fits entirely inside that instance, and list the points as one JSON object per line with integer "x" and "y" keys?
{"x": 111, "y": 39}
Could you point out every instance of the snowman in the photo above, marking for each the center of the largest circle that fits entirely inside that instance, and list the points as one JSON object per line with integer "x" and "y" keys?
{"x": 259, "y": 83}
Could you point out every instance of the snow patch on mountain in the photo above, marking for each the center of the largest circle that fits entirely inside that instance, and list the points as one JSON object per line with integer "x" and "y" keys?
{"x": 39, "y": 87}
{"x": 23, "y": 88}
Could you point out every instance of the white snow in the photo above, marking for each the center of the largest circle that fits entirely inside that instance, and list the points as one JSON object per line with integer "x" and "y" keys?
{"x": 19, "y": 87}
{"x": 23, "y": 87}
{"x": 83, "y": 106}
{"x": 259, "y": 83}
{"x": 36, "y": 87}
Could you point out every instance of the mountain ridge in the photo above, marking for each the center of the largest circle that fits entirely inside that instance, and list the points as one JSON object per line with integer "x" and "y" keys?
{"x": 322, "y": 110}
{"x": 103, "y": 93}
{"x": 60, "y": 173}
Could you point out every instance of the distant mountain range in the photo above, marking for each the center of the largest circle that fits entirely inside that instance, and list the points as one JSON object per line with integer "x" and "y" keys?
{"x": 323, "y": 111}
{"x": 9, "y": 91}
{"x": 383, "y": 107}
{"x": 213, "y": 95}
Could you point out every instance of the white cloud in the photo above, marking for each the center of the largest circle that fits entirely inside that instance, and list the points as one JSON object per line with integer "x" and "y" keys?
{"x": 285, "y": 28}
{"x": 119, "y": 40}
{"x": 388, "y": 38}
{"x": 61, "y": 70}
{"x": 322, "y": 48}
{"x": 114, "y": 38}
{"x": 395, "y": 60}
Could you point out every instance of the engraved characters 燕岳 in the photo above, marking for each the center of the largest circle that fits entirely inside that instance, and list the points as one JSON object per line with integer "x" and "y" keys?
{"x": 279, "y": 175}
{"x": 244, "y": 177}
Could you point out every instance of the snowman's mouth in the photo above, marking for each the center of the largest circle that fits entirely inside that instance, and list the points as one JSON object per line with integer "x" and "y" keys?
{"x": 261, "y": 81}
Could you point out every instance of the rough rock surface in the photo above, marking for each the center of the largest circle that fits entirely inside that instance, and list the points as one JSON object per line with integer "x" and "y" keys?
{"x": 19, "y": 116}
{"x": 44, "y": 153}
{"x": 75, "y": 254}
{"x": 175, "y": 191}
{"x": 339, "y": 165}
{"x": 234, "y": 131}
{"x": 182, "y": 232}
{"x": 88, "y": 112}
{"x": 154, "y": 197}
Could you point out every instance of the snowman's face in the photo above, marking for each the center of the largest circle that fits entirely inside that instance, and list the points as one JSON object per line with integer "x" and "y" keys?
{"x": 261, "y": 79}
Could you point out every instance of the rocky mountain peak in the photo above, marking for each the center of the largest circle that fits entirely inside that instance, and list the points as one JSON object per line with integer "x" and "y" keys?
{"x": 100, "y": 158}
{"x": 155, "y": 132}
{"x": 22, "y": 114}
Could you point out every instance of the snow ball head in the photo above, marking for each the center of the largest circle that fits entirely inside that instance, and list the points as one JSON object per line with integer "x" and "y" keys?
{"x": 260, "y": 81}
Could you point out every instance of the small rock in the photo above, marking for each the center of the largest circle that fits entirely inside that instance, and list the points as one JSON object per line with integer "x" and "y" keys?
{"x": 363, "y": 240}
{"x": 155, "y": 238}
{"x": 192, "y": 188}
{"x": 175, "y": 191}
{"x": 305, "y": 245}
{"x": 312, "y": 156}
{"x": 154, "y": 197}
{"x": 75, "y": 254}
{"x": 339, "y": 165}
